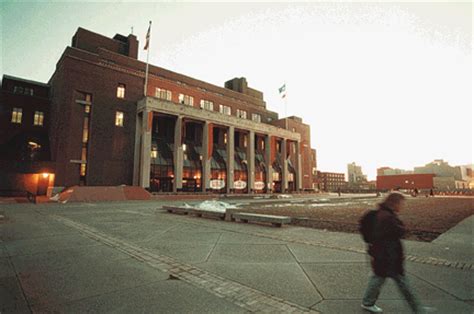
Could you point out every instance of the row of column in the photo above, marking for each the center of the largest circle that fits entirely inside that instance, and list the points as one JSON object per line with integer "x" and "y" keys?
{"x": 145, "y": 159}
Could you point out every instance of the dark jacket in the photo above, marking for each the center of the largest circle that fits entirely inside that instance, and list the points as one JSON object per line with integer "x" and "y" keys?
{"x": 387, "y": 251}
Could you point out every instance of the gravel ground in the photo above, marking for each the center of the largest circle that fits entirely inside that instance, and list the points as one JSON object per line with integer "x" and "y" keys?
{"x": 425, "y": 218}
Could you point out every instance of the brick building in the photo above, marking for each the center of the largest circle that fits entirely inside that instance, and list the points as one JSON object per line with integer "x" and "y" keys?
{"x": 405, "y": 181}
{"x": 183, "y": 135}
{"x": 331, "y": 181}
{"x": 25, "y": 161}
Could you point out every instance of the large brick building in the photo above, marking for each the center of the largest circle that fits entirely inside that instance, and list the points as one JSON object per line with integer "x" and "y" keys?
{"x": 182, "y": 135}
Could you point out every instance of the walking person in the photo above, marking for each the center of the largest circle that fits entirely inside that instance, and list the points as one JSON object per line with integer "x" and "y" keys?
{"x": 386, "y": 254}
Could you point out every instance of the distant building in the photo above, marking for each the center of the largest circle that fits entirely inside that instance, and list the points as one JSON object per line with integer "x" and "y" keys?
{"x": 445, "y": 177}
{"x": 440, "y": 168}
{"x": 355, "y": 177}
{"x": 331, "y": 181}
{"x": 387, "y": 171}
{"x": 405, "y": 181}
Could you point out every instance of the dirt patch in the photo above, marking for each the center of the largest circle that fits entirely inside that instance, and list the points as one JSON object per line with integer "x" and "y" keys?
{"x": 425, "y": 218}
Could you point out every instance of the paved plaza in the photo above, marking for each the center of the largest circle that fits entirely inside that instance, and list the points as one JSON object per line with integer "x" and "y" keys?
{"x": 132, "y": 257}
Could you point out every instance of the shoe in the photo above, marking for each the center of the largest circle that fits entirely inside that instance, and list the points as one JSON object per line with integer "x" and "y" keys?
{"x": 373, "y": 308}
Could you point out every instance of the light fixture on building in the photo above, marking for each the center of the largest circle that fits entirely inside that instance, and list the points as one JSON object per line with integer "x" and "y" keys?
{"x": 45, "y": 175}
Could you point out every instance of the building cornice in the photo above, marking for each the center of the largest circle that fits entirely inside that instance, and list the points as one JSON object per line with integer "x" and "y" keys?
{"x": 167, "y": 107}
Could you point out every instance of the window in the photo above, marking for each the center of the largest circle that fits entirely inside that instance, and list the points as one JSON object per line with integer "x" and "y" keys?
{"x": 256, "y": 117}
{"x": 28, "y": 91}
{"x": 23, "y": 90}
{"x": 119, "y": 118}
{"x": 163, "y": 94}
{"x": 83, "y": 170}
{"x": 276, "y": 176}
{"x": 186, "y": 100}
{"x": 17, "y": 114}
{"x": 18, "y": 89}
{"x": 241, "y": 114}
{"x": 38, "y": 119}
{"x": 121, "y": 91}
{"x": 85, "y": 130}
{"x": 225, "y": 110}
{"x": 206, "y": 104}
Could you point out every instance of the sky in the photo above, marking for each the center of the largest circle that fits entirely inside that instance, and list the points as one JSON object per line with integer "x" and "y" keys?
{"x": 380, "y": 84}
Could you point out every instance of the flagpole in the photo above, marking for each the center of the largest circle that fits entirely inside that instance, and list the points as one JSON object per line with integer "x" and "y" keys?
{"x": 147, "y": 59}
{"x": 286, "y": 102}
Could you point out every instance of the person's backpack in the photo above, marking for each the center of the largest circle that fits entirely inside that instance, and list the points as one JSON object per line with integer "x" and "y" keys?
{"x": 367, "y": 225}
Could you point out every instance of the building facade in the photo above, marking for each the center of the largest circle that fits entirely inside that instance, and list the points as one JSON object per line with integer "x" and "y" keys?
{"x": 405, "y": 181}
{"x": 355, "y": 175}
{"x": 331, "y": 181}
{"x": 178, "y": 134}
{"x": 25, "y": 161}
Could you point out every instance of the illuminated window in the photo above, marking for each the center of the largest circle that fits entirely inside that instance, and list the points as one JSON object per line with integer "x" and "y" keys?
{"x": 121, "y": 91}
{"x": 163, "y": 94}
{"x": 206, "y": 104}
{"x": 241, "y": 114}
{"x": 276, "y": 176}
{"x": 291, "y": 177}
{"x": 38, "y": 119}
{"x": 84, "y": 153}
{"x": 186, "y": 100}
{"x": 83, "y": 170}
{"x": 17, "y": 114}
{"x": 119, "y": 118}
{"x": 225, "y": 110}
{"x": 256, "y": 117}
{"x": 85, "y": 130}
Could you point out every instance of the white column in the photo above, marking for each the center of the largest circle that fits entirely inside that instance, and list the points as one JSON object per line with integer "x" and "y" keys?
{"x": 230, "y": 159}
{"x": 299, "y": 174}
{"x": 206, "y": 158}
{"x": 178, "y": 155}
{"x": 145, "y": 148}
{"x": 136, "y": 152}
{"x": 251, "y": 161}
{"x": 284, "y": 167}
{"x": 268, "y": 164}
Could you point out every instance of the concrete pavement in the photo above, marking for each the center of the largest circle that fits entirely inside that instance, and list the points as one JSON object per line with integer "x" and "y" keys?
{"x": 131, "y": 257}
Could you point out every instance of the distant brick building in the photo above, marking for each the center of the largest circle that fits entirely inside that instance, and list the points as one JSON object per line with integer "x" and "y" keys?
{"x": 331, "y": 181}
{"x": 183, "y": 135}
{"x": 405, "y": 181}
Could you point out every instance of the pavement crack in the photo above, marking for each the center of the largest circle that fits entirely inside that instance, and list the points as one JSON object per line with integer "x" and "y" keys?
{"x": 305, "y": 273}
{"x": 213, "y": 248}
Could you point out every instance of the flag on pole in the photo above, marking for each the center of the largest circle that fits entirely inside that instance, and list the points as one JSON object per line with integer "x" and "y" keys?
{"x": 282, "y": 91}
{"x": 148, "y": 35}
{"x": 147, "y": 42}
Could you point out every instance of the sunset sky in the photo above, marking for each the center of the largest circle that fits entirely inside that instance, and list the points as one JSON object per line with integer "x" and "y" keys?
{"x": 380, "y": 84}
